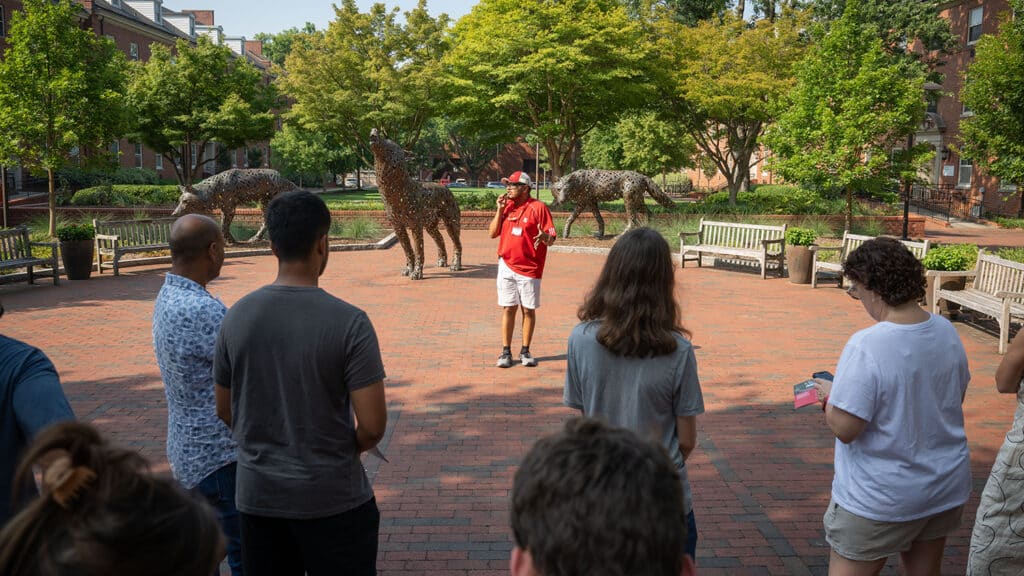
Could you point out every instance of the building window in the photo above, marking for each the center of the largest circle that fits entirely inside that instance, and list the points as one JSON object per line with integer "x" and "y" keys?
{"x": 966, "y": 172}
{"x": 116, "y": 3}
{"x": 210, "y": 157}
{"x": 974, "y": 24}
{"x": 159, "y": 161}
{"x": 115, "y": 150}
{"x": 138, "y": 155}
{"x": 1005, "y": 186}
{"x": 234, "y": 158}
{"x": 195, "y": 152}
{"x": 133, "y": 51}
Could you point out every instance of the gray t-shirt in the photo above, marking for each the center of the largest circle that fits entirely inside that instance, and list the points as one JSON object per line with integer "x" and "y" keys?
{"x": 642, "y": 394}
{"x": 291, "y": 356}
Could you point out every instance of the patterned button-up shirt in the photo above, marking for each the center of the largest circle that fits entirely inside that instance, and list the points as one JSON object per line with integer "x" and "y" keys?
{"x": 185, "y": 325}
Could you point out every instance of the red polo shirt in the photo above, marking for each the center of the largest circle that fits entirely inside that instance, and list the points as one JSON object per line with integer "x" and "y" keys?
{"x": 520, "y": 224}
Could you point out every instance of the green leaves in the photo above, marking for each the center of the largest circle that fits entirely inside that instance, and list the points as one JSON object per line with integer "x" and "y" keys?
{"x": 994, "y": 135}
{"x": 201, "y": 94}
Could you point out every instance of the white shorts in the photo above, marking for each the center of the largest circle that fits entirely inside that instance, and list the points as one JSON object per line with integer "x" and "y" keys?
{"x": 514, "y": 289}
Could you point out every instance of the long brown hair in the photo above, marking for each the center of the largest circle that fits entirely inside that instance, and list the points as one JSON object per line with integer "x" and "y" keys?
{"x": 102, "y": 512}
{"x": 634, "y": 297}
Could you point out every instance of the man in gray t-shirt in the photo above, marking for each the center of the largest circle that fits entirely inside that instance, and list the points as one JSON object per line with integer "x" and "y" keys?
{"x": 292, "y": 365}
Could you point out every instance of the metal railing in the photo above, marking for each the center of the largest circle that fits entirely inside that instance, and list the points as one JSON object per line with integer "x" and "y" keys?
{"x": 946, "y": 201}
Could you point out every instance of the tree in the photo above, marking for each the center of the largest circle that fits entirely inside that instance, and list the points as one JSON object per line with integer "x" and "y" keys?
{"x": 277, "y": 47}
{"x": 994, "y": 134}
{"x": 552, "y": 69}
{"x": 687, "y": 12}
{"x": 304, "y": 152}
{"x": 641, "y": 142}
{"x": 721, "y": 81}
{"x": 198, "y": 95}
{"x": 369, "y": 71}
{"x": 62, "y": 89}
{"x": 852, "y": 105}
{"x": 898, "y": 23}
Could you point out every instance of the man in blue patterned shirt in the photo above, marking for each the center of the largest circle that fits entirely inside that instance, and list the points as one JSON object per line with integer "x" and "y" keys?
{"x": 185, "y": 325}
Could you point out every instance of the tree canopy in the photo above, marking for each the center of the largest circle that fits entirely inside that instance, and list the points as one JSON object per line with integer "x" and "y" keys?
{"x": 197, "y": 95}
{"x": 993, "y": 135}
{"x": 721, "y": 81}
{"x": 368, "y": 71}
{"x": 62, "y": 91}
{"x": 641, "y": 142}
{"x": 277, "y": 47}
{"x": 551, "y": 69}
{"x": 852, "y": 105}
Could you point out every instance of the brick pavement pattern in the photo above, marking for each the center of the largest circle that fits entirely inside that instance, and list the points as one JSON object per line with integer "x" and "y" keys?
{"x": 458, "y": 426}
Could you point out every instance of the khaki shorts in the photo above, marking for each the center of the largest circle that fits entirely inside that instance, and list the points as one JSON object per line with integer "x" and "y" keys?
{"x": 514, "y": 289}
{"x": 857, "y": 538}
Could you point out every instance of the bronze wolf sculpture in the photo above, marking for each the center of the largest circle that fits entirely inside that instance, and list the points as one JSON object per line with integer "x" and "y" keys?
{"x": 226, "y": 190}
{"x": 413, "y": 206}
{"x": 586, "y": 188}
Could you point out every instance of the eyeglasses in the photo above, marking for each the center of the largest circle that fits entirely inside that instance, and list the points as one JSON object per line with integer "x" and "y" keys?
{"x": 849, "y": 292}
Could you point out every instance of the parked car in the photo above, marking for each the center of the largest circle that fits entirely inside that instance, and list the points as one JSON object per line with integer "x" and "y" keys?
{"x": 459, "y": 183}
{"x": 494, "y": 185}
{"x": 351, "y": 182}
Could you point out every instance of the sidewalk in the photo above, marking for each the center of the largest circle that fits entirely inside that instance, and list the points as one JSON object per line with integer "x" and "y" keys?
{"x": 458, "y": 426}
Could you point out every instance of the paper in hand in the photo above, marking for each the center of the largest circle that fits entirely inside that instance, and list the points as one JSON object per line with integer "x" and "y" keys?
{"x": 804, "y": 394}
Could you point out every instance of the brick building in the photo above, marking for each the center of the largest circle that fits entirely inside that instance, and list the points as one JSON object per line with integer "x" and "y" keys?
{"x": 133, "y": 25}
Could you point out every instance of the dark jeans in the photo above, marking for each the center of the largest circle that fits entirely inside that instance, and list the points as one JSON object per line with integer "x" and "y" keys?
{"x": 341, "y": 545}
{"x": 691, "y": 535}
{"x": 219, "y": 490}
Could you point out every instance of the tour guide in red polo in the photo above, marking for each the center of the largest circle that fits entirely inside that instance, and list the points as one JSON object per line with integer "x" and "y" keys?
{"x": 526, "y": 230}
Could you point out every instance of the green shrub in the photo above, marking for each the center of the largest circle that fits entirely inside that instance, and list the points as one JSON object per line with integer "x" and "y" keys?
{"x": 869, "y": 228}
{"x": 951, "y": 257}
{"x": 773, "y": 199}
{"x": 75, "y": 232}
{"x": 1009, "y": 222}
{"x": 797, "y": 236}
{"x": 1015, "y": 254}
{"x": 127, "y": 195}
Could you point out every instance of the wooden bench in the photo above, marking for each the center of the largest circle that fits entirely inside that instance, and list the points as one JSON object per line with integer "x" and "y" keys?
{"x": 995, "y": 287}
{"x": 115, "y": 238}
{"x": 850, "y": 243}
{"x": 16, "y": 252}
{"x": 746, "y": 241}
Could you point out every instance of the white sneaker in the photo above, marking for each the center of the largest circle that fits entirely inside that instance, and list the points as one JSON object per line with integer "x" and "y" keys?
{"x": 527, "y": 359}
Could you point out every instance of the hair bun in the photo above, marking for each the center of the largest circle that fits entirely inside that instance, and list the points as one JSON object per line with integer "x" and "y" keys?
{"x": 64, "y": 482}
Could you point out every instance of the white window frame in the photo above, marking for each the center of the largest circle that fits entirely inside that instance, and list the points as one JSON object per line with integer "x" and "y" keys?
{"x": 159, "y": 161}
{"x": 234, "y": 158}
{"x": 133, "y": 51}
{"x": 138, "y": 155}
{"x": 115, "y": 149}
{"x": 195, "y": 152}
{"x": 211, "y": 156}
{"x": 974, "y": 28}
{"x": 964, "y": 167}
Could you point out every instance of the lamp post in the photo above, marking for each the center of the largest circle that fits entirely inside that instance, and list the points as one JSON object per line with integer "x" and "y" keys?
{"x": 928, "y": 87}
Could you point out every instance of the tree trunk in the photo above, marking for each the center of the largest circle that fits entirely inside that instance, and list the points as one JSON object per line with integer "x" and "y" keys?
{"x": 52, "y": 203}
{"x": 741, "y": 6}
{"x": 3, "y": 192}
{"x": 849, "y": 208}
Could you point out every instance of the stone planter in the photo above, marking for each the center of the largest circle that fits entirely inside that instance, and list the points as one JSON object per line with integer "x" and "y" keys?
{"x": 77, "y": 257}
{"x": 798, "y": 263}
{"x": 948, "y": 284}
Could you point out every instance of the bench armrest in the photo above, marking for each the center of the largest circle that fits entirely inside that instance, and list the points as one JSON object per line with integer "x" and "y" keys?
{"x": 947, "y": 274}
{"x": 107, "y": 237}
{"x": 816, "y": 248}
{"x": 43, "y": 244}
{"x": 765, "y": 243}
{"x": 1005, "y": 295}
{"x": 685, "y": 234}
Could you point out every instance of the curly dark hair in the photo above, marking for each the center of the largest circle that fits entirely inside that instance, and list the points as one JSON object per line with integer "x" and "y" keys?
{"x": 598, "y": 500}
{"x": 886, "y": 267}
{"x": 634, "y": 297}
{"x": 117, "y": 519}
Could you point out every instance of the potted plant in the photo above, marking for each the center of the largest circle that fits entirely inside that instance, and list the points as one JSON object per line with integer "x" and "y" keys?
{"x": 798, "y": 254}
{"x": 76, "y": 250}
{"x": 948, "y": 258}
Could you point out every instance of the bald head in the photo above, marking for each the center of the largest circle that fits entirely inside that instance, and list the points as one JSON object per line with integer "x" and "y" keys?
{"x": 191, "y": 236}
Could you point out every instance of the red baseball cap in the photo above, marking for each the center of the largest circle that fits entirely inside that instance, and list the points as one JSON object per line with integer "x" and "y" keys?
{"x": 518, "y": 178}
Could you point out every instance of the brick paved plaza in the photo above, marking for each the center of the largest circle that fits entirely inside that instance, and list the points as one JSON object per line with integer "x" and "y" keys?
{"x": 458, "y": 426}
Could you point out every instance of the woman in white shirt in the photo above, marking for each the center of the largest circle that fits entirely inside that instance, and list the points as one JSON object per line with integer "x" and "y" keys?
{"x": 902, "y": 469}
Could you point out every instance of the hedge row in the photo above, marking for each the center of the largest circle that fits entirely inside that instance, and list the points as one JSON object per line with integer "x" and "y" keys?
{"x": 127, "y": 195}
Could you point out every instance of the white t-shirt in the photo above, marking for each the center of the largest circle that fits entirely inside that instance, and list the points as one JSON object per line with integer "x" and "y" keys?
{"x": 911, "y": 461}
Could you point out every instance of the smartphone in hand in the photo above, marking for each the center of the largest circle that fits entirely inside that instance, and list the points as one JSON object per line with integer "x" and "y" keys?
{"x": 823, "y": 375}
